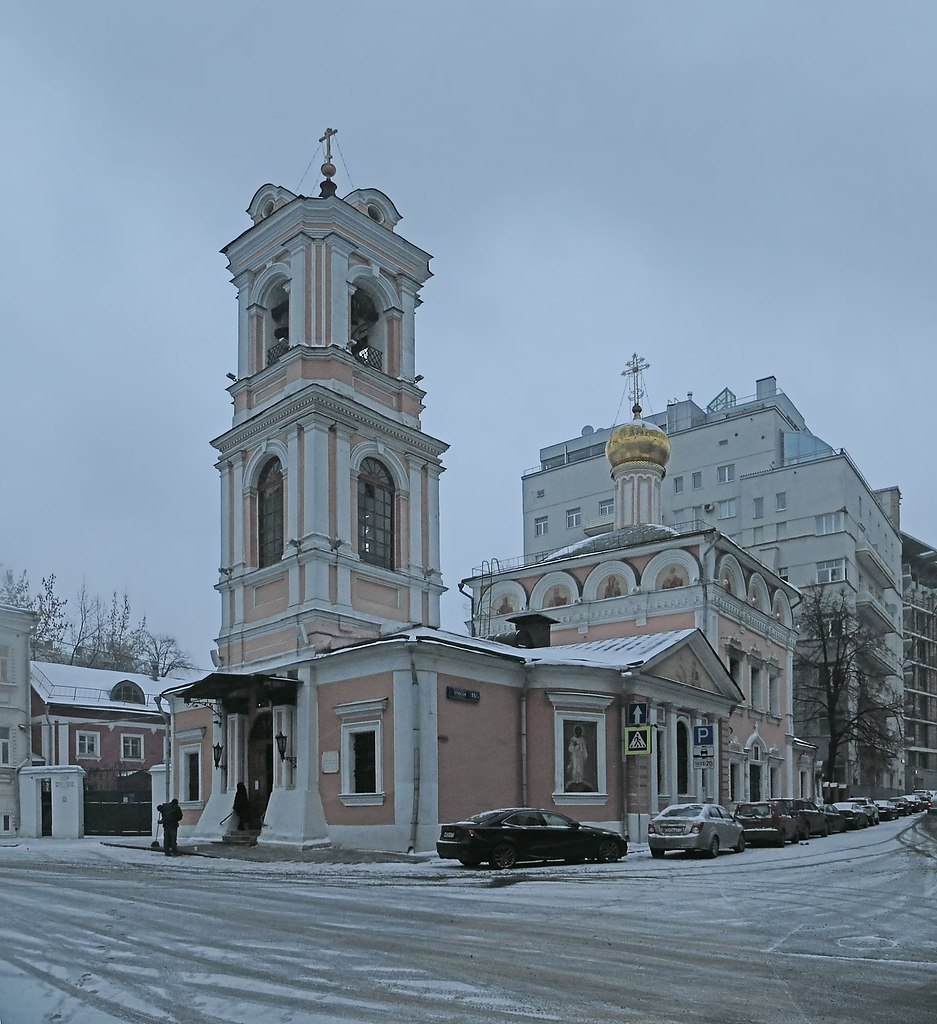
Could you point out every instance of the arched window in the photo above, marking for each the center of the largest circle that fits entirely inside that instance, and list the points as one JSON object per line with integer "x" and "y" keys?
{"x": 270, "y": 514}
{"x": 683, "y": 758}
{"x": 128, "y": 692}
{"x": 375, "y": 514}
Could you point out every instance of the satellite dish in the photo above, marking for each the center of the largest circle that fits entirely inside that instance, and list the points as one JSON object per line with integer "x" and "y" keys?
{"x": 586, "y": 430}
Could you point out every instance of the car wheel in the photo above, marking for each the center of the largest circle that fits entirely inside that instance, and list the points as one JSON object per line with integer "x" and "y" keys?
{"x": 740, "y": 845}
{"x": 470, "y": 862}
{"x": 656, "y": 854}
{"x": 713, "y": 850}
{"x": 608, "y": 851}
{"x": 503, "y": 856}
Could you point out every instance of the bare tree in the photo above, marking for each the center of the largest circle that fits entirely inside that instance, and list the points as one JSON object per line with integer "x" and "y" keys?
{"x": 163, "y": 654}
{"x": 51, "y": 623}
{"x": 97, "y": 634}
{"x": 841, "y": 684}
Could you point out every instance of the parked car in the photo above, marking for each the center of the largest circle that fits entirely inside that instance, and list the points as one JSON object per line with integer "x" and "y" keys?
{"x": 704, "y": 828}
{"x": 926, "y": 797}
{"x": 835, "y": 820}
{"x": 854, "y": 813}
{"x": 887, "y": 811}
{"x": 807, "y": 812}
{"x": 904, "y": 808}
{"x": 764, "y": 822}
{"x": 870, "y": 809}
{"x": 917, "y": 804}
{"x": 506, "y": 836}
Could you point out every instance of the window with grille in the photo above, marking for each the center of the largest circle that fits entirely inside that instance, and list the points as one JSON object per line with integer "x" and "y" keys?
{"x": 375, "y": 514}
{"x": 270, "y": 514}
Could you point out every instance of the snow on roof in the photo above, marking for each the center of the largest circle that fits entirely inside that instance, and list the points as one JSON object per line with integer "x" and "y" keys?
{"x": 620, "y": 653}
{"x": 84, "y": 687}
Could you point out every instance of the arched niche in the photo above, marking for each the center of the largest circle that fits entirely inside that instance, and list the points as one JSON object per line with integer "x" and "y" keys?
{"x": 555, "y": 590}
{"x": 781, "y": 609}
{"x": 505, "y": 598}
{"x": 729, "y": 576}
{"x": 758, "y": 595}
{"x": 609, "y": 580}
{"x": 668, "y": 570}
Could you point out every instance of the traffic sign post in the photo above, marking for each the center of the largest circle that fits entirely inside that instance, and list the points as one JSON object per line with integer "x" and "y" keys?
{"x": 637, "y": 740}
{"x": 704, "y": 747}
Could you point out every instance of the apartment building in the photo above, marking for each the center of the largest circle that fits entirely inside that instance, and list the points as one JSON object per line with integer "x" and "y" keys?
{"x": 919, "y": 589}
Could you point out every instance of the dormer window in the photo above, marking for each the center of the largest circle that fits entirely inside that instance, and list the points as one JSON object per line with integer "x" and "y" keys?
{"x": 127, "y": 692}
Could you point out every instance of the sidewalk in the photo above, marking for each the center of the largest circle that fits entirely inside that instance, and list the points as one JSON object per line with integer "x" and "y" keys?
{"x": 271, "y": 854}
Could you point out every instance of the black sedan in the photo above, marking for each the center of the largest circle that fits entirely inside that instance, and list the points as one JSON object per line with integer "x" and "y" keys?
{"x": 512, "y": 834}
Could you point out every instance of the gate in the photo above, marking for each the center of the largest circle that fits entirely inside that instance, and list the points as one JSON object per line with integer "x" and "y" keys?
{"x": 117, "y": 803}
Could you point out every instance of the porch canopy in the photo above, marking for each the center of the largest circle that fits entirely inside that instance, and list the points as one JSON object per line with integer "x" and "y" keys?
{"x": 238, "y": 692}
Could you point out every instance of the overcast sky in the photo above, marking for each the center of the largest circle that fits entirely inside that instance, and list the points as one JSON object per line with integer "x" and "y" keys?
{"x": 731, "y": 189}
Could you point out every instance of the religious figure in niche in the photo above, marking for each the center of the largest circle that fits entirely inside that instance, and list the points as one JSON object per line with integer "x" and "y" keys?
{"x": 580, "y": 770}
{"x": 612, "y": 587}
{"x": 675, "y": 576}
{"x": 505, "y": 606}
{"x": 558, "y": 596}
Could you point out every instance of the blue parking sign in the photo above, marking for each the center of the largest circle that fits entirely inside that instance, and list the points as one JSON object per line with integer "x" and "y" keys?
{"x": 704, "y": 735}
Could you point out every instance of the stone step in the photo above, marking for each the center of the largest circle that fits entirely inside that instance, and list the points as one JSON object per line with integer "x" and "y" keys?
{"x": 245, "y": 838}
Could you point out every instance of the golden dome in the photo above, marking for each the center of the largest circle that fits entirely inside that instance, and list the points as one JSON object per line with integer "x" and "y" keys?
{"x": 638, "y": 442}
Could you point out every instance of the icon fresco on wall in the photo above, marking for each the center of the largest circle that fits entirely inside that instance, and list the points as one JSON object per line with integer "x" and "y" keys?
{"x": 612, "y": 588}
{"x": 558, "y": 596}
{"x": 581, "y": 768}
{"x": 675, "y": 576}
{"x": 505, "y": 606}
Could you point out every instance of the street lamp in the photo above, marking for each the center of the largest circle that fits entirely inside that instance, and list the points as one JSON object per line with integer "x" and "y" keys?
{"x": 281, "y": 747}
{"x": 216, "y": 751}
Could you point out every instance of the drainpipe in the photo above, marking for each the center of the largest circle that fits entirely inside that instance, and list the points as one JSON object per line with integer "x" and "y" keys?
{"x": 415, "y": 817}
{"x": 528, "y": 668}
{"x": 167, "y": 743}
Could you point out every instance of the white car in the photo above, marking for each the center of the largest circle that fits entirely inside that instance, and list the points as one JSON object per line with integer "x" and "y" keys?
{"x": 703, "y": 828}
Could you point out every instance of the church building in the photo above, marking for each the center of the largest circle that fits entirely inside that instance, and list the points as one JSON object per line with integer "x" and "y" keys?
{"x": 347, "y": 714}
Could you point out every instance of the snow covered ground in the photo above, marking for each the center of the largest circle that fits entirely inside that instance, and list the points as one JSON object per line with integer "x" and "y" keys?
{"x": 838, "y": 929}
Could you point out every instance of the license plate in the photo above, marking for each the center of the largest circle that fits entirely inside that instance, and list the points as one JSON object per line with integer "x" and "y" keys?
{"x": 448, "y": 835}
{"x": 673, "y": 830}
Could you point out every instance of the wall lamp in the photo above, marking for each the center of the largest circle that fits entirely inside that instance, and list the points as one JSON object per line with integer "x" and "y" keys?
{"x": 216, "y": 751}
{"x": 281, "y": 747}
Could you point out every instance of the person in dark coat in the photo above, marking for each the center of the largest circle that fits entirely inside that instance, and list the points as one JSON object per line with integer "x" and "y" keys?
{"x": 242, "y": 806}
{"x": 170, "y": 814}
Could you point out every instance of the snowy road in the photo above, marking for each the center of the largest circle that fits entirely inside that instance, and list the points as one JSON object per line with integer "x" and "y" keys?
{"x": 841, "y": 929}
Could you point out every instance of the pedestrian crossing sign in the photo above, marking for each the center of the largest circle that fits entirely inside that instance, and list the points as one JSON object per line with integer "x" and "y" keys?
{"x": 637, "y": 739}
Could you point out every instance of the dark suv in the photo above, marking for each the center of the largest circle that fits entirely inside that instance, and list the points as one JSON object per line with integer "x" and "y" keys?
{"x": 765, "y": 822}
{"x": 811, "y": 821}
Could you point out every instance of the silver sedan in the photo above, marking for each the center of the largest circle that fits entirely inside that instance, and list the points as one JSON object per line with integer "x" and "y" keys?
{"x": 704, "y": 828}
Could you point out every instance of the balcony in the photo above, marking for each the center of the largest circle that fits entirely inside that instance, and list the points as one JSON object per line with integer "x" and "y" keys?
{"x": 875, "y": 613}
{"x": 873, "y": 563}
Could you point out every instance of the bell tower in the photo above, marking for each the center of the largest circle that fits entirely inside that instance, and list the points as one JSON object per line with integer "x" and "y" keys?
{"x": 329, "y": 485}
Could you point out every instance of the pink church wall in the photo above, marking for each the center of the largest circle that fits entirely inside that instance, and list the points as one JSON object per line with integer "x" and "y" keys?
{"x": 479, "y": 748}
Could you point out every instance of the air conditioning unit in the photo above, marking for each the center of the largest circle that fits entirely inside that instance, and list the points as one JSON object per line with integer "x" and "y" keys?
{"x": 708, "y": 507}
